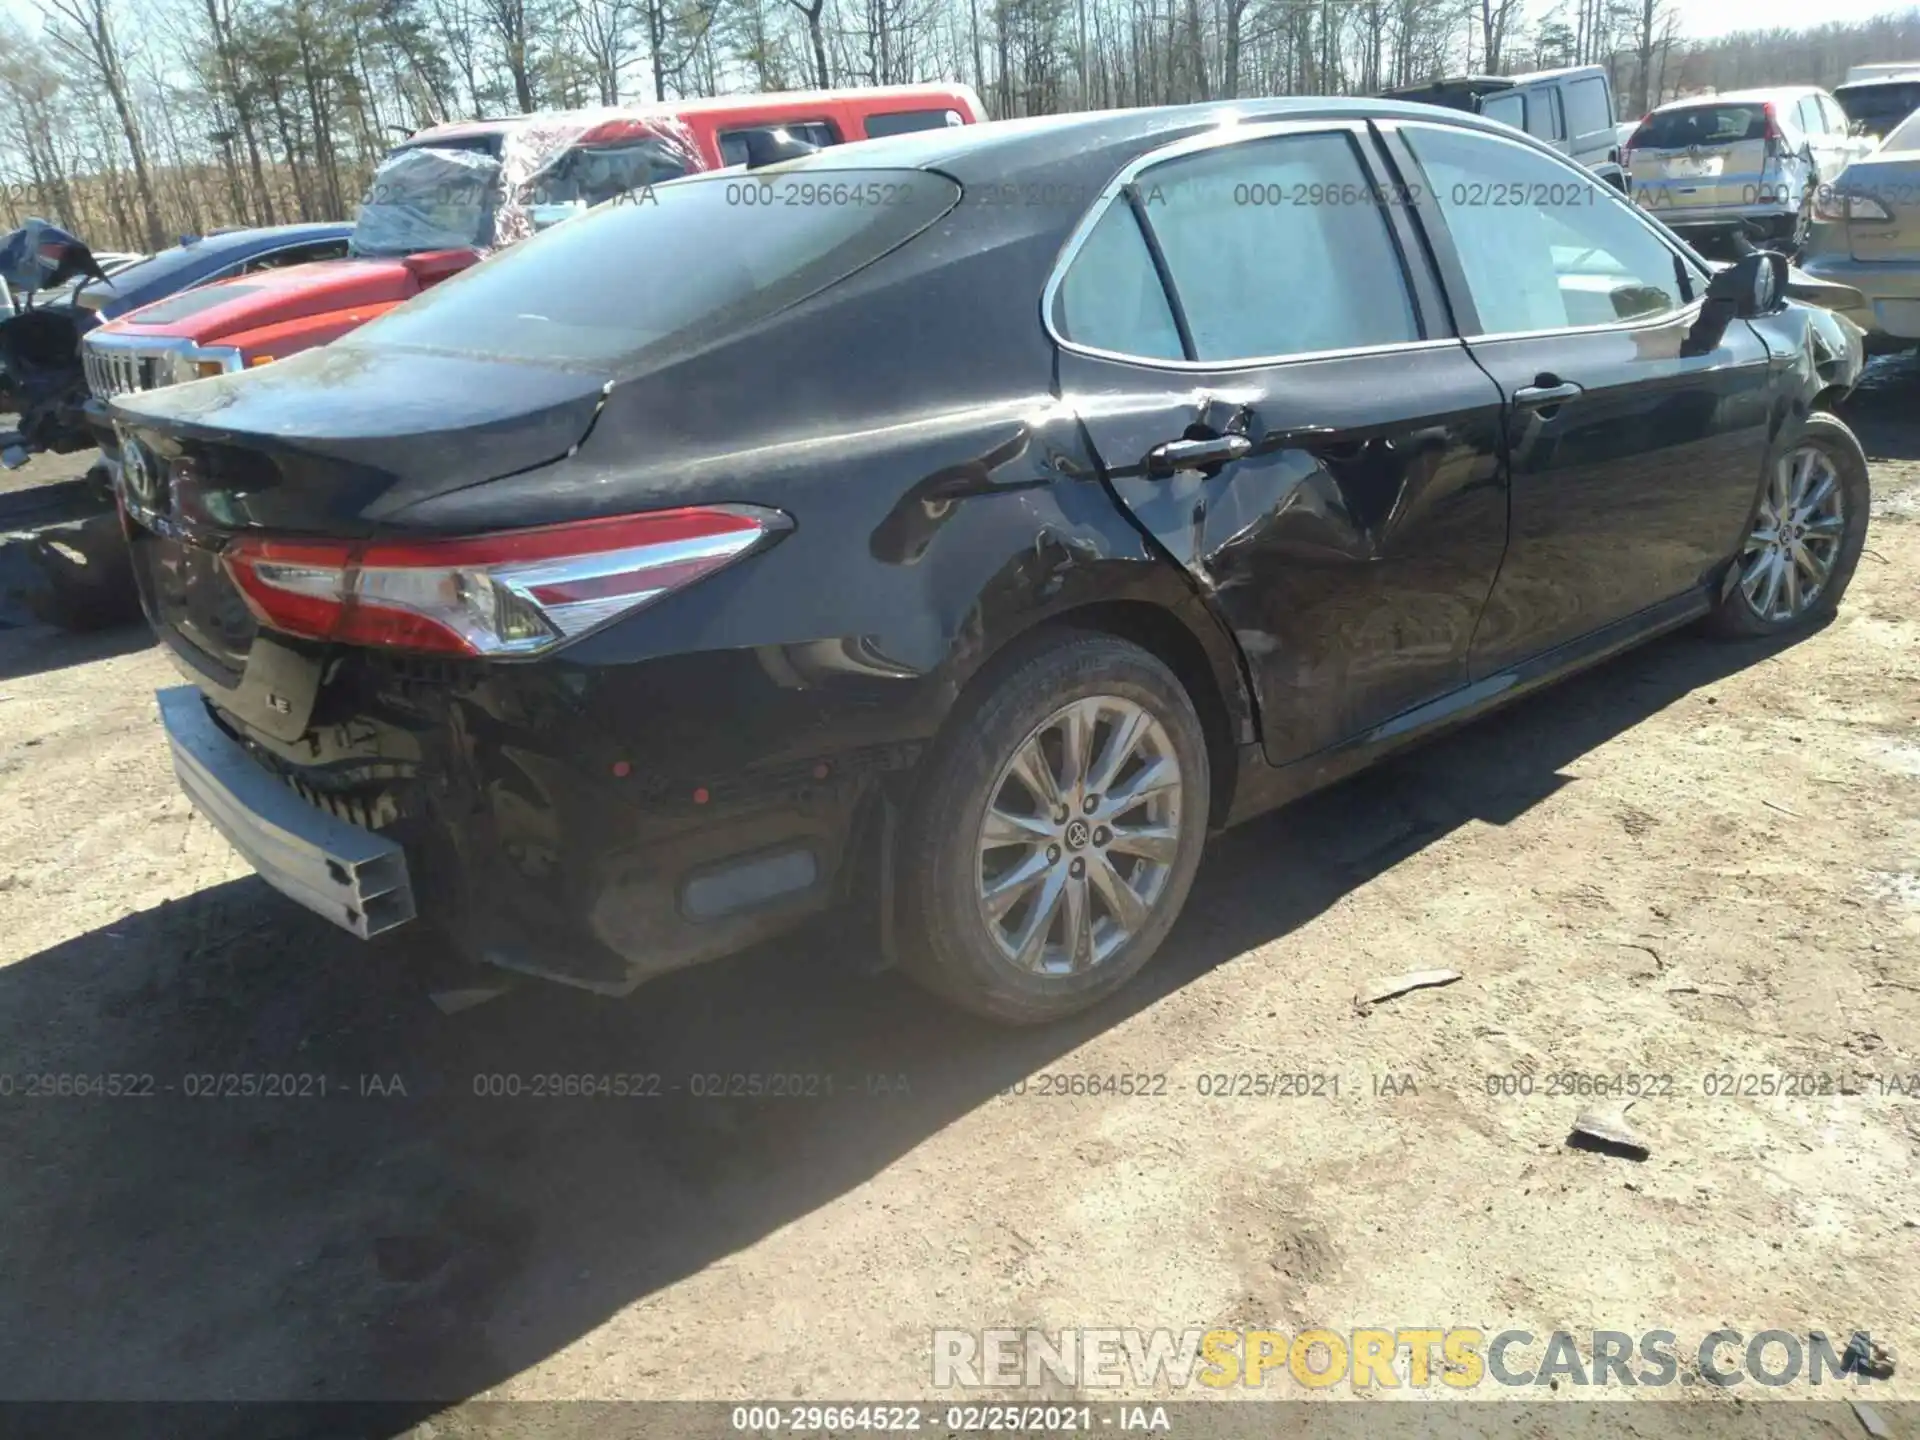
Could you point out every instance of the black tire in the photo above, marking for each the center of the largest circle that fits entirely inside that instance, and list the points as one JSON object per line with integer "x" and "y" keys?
{"x": 1733, "y": 615}
{"x": 945, "y": 944}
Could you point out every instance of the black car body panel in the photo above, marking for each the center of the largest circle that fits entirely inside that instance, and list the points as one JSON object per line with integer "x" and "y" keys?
{"x": 703, "y": 772}
{"x": 337, "y": 439}
{"x": 1658, "y": 445}
{"x": 1355, "y": 527}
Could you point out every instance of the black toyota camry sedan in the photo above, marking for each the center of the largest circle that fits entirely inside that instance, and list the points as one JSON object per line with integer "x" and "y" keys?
{"x": 963, "y": 526}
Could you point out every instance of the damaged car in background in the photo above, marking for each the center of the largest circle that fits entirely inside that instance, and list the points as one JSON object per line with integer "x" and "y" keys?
{"x": 41, "y": 360}
{"x": 453, "y": 194}
{"x": 668, "y": 579}
{"x": 1866, "y": 241}
{"x": 1747, "y": 164}
{"x": 65, "y": 290}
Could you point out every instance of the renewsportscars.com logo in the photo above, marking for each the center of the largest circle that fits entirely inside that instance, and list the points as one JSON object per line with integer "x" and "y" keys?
{"x": 1460, "y": 1358}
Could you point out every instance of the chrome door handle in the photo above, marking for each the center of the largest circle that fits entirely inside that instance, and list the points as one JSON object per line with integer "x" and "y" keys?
{"x": 1177, "y": 455}
{"x": 1547, "y": 394}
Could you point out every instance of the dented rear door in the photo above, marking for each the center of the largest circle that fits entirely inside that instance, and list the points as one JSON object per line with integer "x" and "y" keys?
{"x": 1295, "y": 427}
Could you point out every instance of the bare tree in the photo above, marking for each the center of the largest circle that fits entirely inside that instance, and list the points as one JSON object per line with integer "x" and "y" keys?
{"x": 606, "y": 38}
{"x": 91, "y": 40}
{"x": 1497, "y": 18}
{"x": 812, "y": 10}
{"x": 509, "y": 21}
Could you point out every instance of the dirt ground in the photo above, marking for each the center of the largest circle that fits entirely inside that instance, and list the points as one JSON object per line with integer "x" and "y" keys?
{"x": 1697, "y": 861}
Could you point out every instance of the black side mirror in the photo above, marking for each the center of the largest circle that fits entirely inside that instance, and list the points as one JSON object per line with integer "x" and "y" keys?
{"x": 770, "y": 147}
{"x": 1753, "y": 285}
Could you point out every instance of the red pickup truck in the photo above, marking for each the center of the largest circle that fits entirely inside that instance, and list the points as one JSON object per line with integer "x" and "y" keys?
{"x": 451, "y": 194}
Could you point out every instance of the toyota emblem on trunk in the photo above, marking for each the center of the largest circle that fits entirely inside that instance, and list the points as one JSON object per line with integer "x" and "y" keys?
{"x": 140, "y": 473}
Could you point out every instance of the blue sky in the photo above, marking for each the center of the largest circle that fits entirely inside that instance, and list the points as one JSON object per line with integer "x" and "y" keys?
{"x": 1703, "y": 19}
{"x": 1700, "y": 19}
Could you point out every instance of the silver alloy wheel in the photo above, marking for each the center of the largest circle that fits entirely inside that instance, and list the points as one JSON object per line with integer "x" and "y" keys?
{"x": 1079, "y": 837}
{"x": 1796, "y": 536}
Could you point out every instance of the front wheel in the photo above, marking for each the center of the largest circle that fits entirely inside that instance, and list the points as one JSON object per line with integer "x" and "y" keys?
{"x": 1057, "y": 831}
{"x": 1805, "y": 538}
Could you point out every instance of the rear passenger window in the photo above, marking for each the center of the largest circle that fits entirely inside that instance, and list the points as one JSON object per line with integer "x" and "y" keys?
{"x": 1811, "y": 121}
{"x": 903, "y": 122}
{"x": 1587, "y": 108}
{"x": 733, "y": 144}
{"x": 1543, "y": 115}
{"x": 1544, "y": 246}
{"x": 1507, "y": 109}
{"x": 1278, "y": 247}
{"x": 1111, "y": 298}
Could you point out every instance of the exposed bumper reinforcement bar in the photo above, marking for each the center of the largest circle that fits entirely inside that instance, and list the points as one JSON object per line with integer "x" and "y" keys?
{"x": 352, "y": 876}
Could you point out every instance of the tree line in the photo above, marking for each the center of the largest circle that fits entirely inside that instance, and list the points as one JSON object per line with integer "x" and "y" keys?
{"x": 135, "y": 122}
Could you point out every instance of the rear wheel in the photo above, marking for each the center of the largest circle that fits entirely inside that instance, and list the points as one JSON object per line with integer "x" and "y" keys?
{"x": 1805, "y": 537}
{"x": 1057, "y": 832}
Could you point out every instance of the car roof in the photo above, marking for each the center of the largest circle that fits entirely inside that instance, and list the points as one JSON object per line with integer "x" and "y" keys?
{"x": 1741, "y": 97}
{"x": 1890, "y": 80}
{"x": 265, "y": 236}
{"x": 976, "y": 153}
{"x": 1565, "y": 72}
{"x": 1491, "y": 83}
{"x": 698, "y": 105}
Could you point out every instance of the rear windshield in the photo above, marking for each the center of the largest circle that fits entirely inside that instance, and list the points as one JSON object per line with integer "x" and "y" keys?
{"x": 1905, "y": 136}
{"x": 1702, "y": 125}
{"x": 428, "y": 197}
{"x": 1879, "y": 107}
{"x": 669, "y": 267}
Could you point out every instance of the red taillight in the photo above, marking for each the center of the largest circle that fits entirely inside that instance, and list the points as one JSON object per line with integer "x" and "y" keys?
{"x": 516, "y": 593}
{"x": 1775, "y": 137}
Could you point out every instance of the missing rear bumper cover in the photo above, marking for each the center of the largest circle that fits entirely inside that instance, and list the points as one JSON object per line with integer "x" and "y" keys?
{"x": 346, "y": 873}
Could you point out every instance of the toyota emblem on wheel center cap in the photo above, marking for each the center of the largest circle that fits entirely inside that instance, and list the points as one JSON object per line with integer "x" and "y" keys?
{"x": 1077, "y": 835}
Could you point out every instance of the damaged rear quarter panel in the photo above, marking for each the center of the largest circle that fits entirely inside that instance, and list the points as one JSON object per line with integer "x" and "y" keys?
{"x": 943, "y": 503}
{"x": 775, "y": 702}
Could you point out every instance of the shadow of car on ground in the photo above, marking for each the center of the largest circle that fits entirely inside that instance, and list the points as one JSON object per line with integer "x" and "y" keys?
{"x": 395, "y": 1229}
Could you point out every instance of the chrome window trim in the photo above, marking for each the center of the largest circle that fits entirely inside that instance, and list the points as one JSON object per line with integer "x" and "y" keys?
{"x": 1229, "y": 132}
{"x": 1666, "y": 317}
{"x": 1262, "y": 362}
{"x": 1608, "y": 195}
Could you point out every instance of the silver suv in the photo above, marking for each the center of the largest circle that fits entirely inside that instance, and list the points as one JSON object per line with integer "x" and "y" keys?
{"x": 1752, "y": 161}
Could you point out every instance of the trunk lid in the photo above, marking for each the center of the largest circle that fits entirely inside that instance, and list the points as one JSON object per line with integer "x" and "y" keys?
{"x": 495, "y": 375}
{"x": 330, "y": 443}
{"x": 1888, "y": 180}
